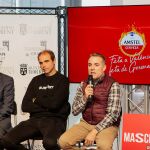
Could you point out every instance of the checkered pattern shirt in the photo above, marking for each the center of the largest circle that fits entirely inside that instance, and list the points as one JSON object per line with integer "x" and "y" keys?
{"x": 113, "y": 108}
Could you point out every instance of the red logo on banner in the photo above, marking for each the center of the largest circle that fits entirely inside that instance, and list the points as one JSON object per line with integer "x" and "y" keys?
{"x": 136, "y": 132}
{"x": 132, "y": 43}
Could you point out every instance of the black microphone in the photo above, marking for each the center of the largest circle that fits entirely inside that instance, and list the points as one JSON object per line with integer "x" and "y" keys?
{"x": 91, "y": 83}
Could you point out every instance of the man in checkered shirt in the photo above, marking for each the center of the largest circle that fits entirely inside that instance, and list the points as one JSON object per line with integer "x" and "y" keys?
{"x": 100, "y": 115}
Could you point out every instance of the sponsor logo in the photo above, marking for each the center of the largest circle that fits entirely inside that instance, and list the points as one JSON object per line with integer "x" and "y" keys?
{"x": 7, "y": 30}
{"x": 2, "y": 56}
{"x": 132, "y": 43}
{"x": 23, "y": 29}
{"x": 32, "y": 52}
{"x": 4, "y": 49}
{"x": 30, "y": 70}
{"x": 23, "y": 69}
{"x": 34, "y": 70}
{"x": 137, "y": 137}
{"x": 46, "y": 87}
{"x": 44, "y": 44}
{"x": 6, "y": 44}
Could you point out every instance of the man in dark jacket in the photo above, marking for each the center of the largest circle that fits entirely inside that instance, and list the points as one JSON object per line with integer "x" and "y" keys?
{"x": 6, "y": 103}
{"x": 99, "y": 103}
{"x": 46, "y": 100}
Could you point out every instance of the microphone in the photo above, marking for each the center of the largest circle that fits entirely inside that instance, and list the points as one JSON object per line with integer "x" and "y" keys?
{"x": 91, "y": 83}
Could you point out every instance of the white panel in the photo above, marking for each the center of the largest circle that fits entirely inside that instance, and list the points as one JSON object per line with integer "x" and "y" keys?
{"x": 21, "y": 39}
{"x": 95, "y": 2}
{"x": 129, "y": 2}
{"x": 116, "y": 2}
{"x": 135, "y": 2}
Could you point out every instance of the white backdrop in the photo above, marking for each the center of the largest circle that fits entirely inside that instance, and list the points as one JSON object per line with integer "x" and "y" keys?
{"x": 21, "y": 39}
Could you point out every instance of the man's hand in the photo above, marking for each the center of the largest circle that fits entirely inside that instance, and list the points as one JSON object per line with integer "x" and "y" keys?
{"x": 90, "y": 138}
{"x": 88, "y": 91}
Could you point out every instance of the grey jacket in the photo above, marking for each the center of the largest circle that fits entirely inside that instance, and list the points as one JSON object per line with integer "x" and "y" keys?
{"x": 6, "y": 102}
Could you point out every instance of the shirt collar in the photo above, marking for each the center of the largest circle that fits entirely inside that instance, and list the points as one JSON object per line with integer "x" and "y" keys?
{"x": 99, "y": 80}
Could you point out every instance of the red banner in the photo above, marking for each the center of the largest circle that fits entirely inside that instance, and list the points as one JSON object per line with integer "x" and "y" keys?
{"x": 136, "y": 132}
{"x": 121, "y": 33}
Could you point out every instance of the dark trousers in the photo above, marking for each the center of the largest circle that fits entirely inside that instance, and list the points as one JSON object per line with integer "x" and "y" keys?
{"x": 5, "y": 126}
{"x": 50, "y": 128}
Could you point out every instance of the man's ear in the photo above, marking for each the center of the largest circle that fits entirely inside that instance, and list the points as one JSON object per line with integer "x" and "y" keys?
{"x": 104, "y": 68}
{"x": 54, "y": 61}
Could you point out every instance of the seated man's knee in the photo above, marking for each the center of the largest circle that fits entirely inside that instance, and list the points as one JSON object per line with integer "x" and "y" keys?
{"x": 50, "y": 144}
{"x": 104, "y": 146}
{"x": 64, "y": 143}
{"x": 8, "y": 142}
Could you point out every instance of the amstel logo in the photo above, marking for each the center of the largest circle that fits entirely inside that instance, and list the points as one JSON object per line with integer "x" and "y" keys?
{"x": 132, "y": 43}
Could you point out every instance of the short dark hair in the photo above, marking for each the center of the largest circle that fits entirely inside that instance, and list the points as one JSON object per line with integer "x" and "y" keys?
{"x": 50, "y": 52}
{"x": 99, "y": 55}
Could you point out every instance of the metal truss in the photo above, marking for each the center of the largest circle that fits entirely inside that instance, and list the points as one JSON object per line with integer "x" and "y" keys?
{"x": 136, "y": 99}
{"x": 61, "y": 15}
{"x": 27, "y": 10}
